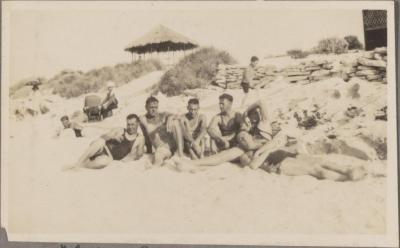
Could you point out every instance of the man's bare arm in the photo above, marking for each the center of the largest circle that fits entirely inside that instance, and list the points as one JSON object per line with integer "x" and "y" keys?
{"x": 185, "y": 131}
{"x": 113, "y": 134}
{"x": 137, "y": 150}
{"x": 203, "y": 128}
{"x": 143, "y": 127}
{"x": 213, "y": 129}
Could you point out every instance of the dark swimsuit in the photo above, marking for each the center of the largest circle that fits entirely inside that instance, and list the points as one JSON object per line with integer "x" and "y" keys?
{"x": 225, "y": 131}
{"x": 118, "y": 150}
{"x": 78, "y": 133}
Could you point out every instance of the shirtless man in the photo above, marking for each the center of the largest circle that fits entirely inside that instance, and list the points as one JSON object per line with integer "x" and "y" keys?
{"x": 261, "y": 145}
{"x": 224, "y": 126}
{"x": 162, "y": 131}
{"x": 194, "y": 129}
{"x": 248, "y": 78}
{"x": 67, "y": 124}
{"x": 124, "y": 144}
{"x": 255, "y": 131}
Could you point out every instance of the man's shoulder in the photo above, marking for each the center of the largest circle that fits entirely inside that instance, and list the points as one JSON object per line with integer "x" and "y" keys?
{"x": 143, "y": 118}
{"x": 183, "y": 116}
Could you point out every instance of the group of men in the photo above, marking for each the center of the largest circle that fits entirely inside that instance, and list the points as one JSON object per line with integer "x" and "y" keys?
{"x": 248, "y": 138}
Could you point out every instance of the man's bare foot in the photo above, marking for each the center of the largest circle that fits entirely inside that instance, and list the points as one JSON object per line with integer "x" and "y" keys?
{"x": 186, "y": 165}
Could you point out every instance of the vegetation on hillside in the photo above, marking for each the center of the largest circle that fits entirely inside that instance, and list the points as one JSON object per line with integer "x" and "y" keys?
{"x": 69, "y": 83}
{"x": 196, "y": 70}
{"x": 329, "y": 45}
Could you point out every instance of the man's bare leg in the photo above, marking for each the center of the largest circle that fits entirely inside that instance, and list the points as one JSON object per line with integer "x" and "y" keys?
{"x": 304, "y": 165}
{"x": 245, "y": 159}
{"x": 213, "y": 146}
{"x": 94, "y": 147}
{"x": 353, "y": 172}
{"x": 162, "y": 153}
{"x": 193, "y": 154}
{"x": 202, "y": 148}
{"x": 213, "y": 160}
{"x": 99, "y": 163}
{"x": 178, "y": 137}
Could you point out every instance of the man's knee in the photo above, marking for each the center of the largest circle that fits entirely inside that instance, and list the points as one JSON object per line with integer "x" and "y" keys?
{"x": 244, "y": 140}
{"x": 99, "y": 143}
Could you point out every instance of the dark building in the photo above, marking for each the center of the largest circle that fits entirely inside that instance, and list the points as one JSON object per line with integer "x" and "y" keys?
{"x": 375, "y": 28}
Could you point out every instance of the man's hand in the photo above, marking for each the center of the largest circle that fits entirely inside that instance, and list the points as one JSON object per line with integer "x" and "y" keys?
{"x": 224, "y": 143}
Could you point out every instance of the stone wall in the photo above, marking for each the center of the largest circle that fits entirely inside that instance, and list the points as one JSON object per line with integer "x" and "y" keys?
{"x": 230, "y": 76}
{"x": 370, "y": 65}
{"x": 310, "y": 71}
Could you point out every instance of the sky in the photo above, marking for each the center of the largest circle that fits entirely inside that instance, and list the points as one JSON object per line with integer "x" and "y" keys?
{"x": 44, "y": 40}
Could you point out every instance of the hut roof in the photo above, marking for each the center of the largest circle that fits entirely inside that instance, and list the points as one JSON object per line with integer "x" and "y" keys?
{"x": 161, "y": 39}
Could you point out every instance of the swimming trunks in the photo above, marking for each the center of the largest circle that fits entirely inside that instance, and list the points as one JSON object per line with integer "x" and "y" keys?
{"x": 119, "y": 149}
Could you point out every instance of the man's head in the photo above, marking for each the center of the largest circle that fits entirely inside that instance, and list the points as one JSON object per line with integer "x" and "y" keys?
{"x": 110, "y": 86}
{"x": 254, "y": 116}
{"x": 193, "y": 107}
{"x": 65, "y": 121}
{"x": 132, "y": 123}
{"x": 225, "y": 102}
{"x": 35, "y": 87}
{"x": 254, "y": 61}
{"x": 152, "y": 106}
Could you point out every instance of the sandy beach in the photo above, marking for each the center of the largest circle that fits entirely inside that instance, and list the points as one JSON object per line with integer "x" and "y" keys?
{"x": 125, "y": 198}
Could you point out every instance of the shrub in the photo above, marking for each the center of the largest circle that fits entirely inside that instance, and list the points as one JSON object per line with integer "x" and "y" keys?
{"x": 353, "y": 42}
{"x": 297, "y": 53}
{"x": 69, "y": 83}
{"x": 196, "y": 70}
{"x": 75, "y": 83}
{"x": 331, "y": 45}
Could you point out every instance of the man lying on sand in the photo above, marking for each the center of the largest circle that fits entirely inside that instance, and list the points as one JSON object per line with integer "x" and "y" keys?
{"x": 224, "y": 126}
{"x": 194, "y": 129}
{"x": 161, "y": 130}
{"x": 263, "y": 147}
{"x": 124, "y": 144}
{"x": 67, "y": 124}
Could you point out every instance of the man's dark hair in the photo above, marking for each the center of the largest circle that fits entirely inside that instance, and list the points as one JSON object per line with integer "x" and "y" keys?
{"x": 226, "y": 96}
{"x": 254, "y": 58}
{"x": 194, "y": 101}
{"x": 64, "y": 117}
{"x": 132, "y": 116}
{"x": 151, "y": 99}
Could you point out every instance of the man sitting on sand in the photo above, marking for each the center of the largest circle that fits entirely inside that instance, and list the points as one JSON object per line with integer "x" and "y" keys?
{"x": 255, "y": 131}
{"x": 194, "y": 129}
{"x": 224, "y": 126}
{"x": 264, "y": 147}
{"x": 110, "y": 101}
{"x": 124, "y": 144}
{"x": 67, "y": 124}
{"x": 161, "y": 130}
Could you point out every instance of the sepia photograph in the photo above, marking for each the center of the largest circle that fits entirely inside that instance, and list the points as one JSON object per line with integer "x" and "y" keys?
{"x": 234, "y": 123}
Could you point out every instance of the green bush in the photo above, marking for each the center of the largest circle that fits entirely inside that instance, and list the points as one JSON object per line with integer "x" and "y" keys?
{"x": 196, "y": 70}
{"x": 331, "y": 45}
{"x": 353, "y": 42}
{"x": 297, "y": 53}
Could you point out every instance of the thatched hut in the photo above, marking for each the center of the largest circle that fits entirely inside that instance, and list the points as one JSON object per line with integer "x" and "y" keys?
{"x": 160, "y": 40}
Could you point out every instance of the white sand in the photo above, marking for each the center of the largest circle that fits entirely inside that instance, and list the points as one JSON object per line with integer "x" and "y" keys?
{"x": 125, "y": 199}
